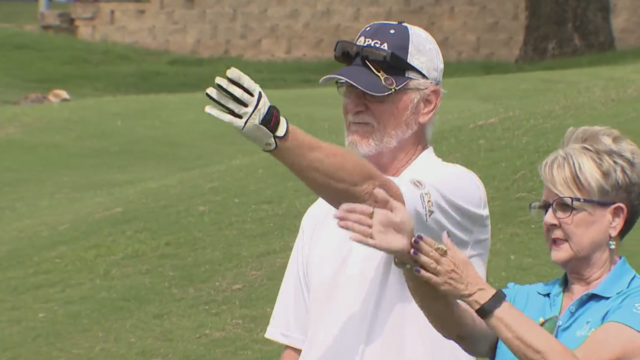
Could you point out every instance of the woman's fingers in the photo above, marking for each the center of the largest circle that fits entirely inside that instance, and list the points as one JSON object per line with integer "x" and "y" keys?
{"x": 355, "y": 227}
{"x": 429, "y": 242}
{"x": 364, "y": 240}
{"x": 382, "y": 199}
{"x": 433, "y": 280}
{"x": 448, "y": 243}
{"x": 351, "y": 208}
{"x": 355, "y": 218}
{"x": 425, "y": 246}
{"x": 424, "y": 261}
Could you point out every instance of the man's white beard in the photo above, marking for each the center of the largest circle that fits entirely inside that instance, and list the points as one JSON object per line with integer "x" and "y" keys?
{"x": 380, "y": 141}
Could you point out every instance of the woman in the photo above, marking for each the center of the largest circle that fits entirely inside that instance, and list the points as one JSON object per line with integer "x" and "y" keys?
{"x": 592, "y": 187}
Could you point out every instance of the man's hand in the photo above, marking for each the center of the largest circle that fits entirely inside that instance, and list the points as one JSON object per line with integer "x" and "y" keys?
{"x": 245, "y": 105}
{"x": 332, "y": 172}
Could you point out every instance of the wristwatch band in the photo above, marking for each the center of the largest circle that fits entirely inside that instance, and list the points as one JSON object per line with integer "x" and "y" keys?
{"x": 487, "y": 309}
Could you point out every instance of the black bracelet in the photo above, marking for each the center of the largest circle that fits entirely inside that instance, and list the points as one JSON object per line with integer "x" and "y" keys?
{"x": 487, "y": 309}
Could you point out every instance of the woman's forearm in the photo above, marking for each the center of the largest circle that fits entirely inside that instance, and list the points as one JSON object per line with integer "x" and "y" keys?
{"x": 526, "y": 339}
{"x": 452, "y": 319}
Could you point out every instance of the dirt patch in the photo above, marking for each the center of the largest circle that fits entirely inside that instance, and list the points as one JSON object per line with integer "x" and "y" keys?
{"x": 32, "y": 28}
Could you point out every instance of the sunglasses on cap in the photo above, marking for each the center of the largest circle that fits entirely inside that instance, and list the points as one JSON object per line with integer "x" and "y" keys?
{"x": 346, "y": 52}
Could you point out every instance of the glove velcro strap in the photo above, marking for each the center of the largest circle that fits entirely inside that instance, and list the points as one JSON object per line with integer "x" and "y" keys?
{"x": 273, "y": 122}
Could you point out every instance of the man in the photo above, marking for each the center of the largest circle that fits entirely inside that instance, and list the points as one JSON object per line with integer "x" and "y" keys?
{"x": 340, "y": 300}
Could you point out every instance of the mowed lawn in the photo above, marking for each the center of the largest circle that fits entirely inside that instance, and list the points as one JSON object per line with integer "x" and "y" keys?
{"x": 137, "y": 227}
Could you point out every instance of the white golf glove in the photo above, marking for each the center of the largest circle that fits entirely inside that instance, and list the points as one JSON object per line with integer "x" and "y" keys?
{"x": 245, "y": 105}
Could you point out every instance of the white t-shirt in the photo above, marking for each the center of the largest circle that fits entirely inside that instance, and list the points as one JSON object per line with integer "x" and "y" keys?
{"x": 340, "y": 300}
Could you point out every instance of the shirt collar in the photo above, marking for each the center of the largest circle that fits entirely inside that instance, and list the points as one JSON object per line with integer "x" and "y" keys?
{"x": 425, "y": 157}
{"x": 616, "y": 281}
{"x": 427, "y": 153}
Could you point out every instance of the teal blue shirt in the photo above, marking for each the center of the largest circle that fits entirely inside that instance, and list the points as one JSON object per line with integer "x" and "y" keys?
{"x": 615, "y": 299}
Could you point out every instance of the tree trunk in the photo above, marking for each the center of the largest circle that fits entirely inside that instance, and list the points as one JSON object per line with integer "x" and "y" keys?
{"x": 564, "y": 28}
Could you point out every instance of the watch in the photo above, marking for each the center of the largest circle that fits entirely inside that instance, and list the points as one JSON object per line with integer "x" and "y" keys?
{"x": 488, "y": 308}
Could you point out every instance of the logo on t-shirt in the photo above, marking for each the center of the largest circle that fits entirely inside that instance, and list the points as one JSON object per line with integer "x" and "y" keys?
{"x": 417, "y": 184}
{"x": 427, "y": 205}
{"x": 586, "y": 330}
{"x": 425, "y": 198}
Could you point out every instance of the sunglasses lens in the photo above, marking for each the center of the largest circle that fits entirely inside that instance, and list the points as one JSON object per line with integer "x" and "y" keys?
{"x": 345, "y": 52}
{"x": 375, "y": 54}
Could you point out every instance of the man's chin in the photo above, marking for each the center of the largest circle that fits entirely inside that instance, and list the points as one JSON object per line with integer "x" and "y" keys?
{"x": 362, "y": 148}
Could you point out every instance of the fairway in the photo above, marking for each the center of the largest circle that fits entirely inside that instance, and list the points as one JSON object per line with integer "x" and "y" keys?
{"x": 137, "y": 227}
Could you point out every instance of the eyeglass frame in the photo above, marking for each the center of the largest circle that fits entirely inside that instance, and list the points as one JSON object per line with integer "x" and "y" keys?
{"x": 340, "y": 84}
{"x": 573, "y": 199}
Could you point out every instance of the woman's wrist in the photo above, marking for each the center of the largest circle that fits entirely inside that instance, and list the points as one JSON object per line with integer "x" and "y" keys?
{"x": 479, "y": 297}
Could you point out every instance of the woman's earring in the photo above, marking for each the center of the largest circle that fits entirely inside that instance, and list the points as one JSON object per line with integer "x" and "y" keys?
{"x": 612, "y": 244}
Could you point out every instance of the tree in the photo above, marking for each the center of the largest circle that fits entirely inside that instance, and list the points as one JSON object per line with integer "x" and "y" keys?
{"x": 564, "y": 28}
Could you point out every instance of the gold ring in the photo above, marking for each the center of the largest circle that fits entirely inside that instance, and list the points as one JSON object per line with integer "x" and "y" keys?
{"x": 441, "y": 249}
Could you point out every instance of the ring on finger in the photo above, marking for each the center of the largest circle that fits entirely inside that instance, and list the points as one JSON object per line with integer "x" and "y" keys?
{"x": 373, "y": 211}
{"x": 441, "y": 249}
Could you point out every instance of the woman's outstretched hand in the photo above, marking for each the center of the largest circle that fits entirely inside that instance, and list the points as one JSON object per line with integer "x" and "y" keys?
{"x": 387, "y": 227}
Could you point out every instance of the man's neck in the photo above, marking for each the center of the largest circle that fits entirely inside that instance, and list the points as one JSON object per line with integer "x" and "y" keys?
{"x": 394, "y": 161}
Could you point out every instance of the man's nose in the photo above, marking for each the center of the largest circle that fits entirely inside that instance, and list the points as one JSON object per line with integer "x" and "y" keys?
{"x": 355, "y": 102}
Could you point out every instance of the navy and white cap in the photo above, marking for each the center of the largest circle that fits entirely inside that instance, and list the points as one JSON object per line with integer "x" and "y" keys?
{"x": 410, "y": 42}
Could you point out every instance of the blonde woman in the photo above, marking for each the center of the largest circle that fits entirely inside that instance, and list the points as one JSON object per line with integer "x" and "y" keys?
{"x": 590, "y": 202}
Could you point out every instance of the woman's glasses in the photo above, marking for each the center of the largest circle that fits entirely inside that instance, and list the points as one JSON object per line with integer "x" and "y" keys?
{"x": 562, "y": 207}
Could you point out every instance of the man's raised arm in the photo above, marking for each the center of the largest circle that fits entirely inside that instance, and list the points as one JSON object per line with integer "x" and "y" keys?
{"x": 332, "y": 172}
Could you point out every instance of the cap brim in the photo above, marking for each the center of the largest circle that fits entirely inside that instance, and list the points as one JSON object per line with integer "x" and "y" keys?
{"x": 365, "y": 79}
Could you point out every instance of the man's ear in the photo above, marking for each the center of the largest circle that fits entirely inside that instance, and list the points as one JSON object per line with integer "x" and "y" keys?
{"x": 430, "y": 100}
{"x": 617, "y": 215}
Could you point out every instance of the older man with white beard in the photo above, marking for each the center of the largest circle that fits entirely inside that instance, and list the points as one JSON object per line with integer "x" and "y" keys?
{"x": 340, "y": 300}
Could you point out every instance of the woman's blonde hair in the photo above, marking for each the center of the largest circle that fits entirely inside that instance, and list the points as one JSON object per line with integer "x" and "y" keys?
{"x": 598, "y": 163}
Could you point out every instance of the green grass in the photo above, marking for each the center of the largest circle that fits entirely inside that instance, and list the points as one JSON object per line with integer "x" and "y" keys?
{"x": 36, "y": 62}
{"x": 136, "y": 227}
